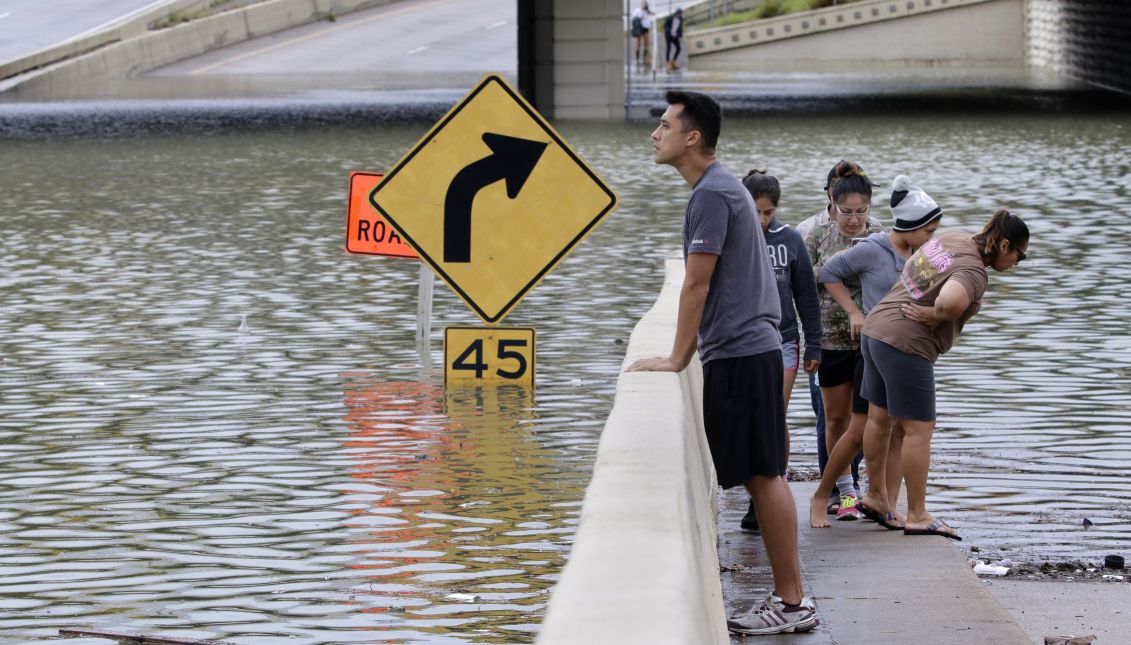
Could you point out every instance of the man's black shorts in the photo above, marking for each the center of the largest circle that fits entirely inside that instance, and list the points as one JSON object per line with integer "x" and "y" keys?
{"x": 744, "y": 416}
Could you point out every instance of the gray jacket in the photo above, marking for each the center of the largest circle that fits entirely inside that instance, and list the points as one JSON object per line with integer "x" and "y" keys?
{"x": 873, "y": 260}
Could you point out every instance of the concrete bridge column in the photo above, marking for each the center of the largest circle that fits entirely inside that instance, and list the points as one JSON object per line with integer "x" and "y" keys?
{"x": 1083, "y": 39}
{"x": 571, "y": 57}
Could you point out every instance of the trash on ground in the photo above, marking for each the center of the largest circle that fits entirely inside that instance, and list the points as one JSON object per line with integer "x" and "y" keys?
{"x": 1069, "y": 640}
{"x": 983, "y": 569}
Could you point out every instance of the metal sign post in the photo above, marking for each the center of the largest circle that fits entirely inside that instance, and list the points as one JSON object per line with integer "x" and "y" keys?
{"x": 424, "y": 317}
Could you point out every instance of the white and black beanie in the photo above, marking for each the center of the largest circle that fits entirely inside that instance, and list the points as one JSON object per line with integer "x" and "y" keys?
{"x": 911, "y": 208}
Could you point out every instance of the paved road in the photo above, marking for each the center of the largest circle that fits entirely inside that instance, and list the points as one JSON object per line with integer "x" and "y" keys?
{"x": 403, "y": 38}
{"x": 27, "y": 26}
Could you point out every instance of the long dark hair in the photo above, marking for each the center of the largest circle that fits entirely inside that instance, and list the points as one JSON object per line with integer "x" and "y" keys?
{"x": 1002, "y": 226}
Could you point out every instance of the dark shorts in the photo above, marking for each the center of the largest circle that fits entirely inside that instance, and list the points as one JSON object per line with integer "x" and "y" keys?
{"x": 901, "y": 383}
{"x": 839, "y": 366}
{"x": 744, "y": 416}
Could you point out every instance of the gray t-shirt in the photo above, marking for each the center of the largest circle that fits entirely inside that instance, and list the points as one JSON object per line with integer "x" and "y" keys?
{"x": 741, "y": 315}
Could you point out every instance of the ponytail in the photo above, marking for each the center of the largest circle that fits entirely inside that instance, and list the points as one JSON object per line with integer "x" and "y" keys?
{"x": 1002, "y": 226}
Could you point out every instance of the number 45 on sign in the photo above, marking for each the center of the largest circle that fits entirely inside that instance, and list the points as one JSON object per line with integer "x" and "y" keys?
{"x": 495, "y": 355}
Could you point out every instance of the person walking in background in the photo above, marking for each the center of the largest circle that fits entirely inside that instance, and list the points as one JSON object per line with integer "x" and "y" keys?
{"x": 728, "y": 310}
{"x": 939, "y": 290}
{"x": 877, "y": 262}
{"x": 639, "y": 26}
{"x": 673, "y": 32}
{"x": 797, "y": 292}
{"x": 842, "y": 366}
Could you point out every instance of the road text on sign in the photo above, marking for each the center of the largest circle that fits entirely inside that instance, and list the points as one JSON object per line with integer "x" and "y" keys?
{"x": 366, "y": 231}
{"x": 493, "y": 198}
{"x": 495, "y": 355}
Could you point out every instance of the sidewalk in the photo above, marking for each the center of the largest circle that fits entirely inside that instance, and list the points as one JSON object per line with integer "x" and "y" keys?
{"x": 872, "y": 586}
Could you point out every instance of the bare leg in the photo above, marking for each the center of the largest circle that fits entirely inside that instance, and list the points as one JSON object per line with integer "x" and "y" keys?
{"x": 840, "y": 459}
{"x": 916, "y": 464}
{"x": 777, "y": 517}
{"x": 838, "y": 414}
{"x": 877, "y": 437}
{"x": 788, "y": 377}
{"x": 895, "y": 468}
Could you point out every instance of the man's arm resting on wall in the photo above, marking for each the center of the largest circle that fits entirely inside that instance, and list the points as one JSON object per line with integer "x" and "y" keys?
{"x": 692, "y": 298}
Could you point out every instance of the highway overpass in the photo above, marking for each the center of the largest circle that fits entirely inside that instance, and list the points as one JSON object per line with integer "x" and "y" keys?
{"x": 568, "y": 56}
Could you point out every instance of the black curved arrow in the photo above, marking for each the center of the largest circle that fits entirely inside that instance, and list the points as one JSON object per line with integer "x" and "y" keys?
{"x": 512, "y": 159}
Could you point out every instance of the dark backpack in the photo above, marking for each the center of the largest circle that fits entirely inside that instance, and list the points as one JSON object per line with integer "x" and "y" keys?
{"x": 637, "y": 26}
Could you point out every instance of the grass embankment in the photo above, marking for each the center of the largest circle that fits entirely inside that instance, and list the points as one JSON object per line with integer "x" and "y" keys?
{"x": 769, "y": 9}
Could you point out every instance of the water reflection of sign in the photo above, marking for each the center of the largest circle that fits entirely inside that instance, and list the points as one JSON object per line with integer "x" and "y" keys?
{"x": 367, "y": 233}
{"x": 477, "y": 355}
{"x": 493, "y": 198}
{"x": 441, "y": 480}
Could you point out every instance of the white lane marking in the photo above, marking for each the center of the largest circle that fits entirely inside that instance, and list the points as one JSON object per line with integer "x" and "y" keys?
{"x": 415, "y": 51}
{"x": 119, "y": 19}
{"x": 497, "y": 24}
{"x": 295, "y": 41}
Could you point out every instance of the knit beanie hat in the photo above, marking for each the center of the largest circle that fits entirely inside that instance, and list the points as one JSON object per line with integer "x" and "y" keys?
{"x": 911, "y": 208}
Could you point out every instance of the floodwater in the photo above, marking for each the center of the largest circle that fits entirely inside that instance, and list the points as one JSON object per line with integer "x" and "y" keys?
{"x": 307, "y": 481}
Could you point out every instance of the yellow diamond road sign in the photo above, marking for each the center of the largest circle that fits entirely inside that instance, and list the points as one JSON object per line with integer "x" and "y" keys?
{"x": 492, "y": 198}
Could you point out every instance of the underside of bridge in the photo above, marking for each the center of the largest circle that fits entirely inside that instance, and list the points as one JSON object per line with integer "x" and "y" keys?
{"x": 571, "y": 53}
{"x": 1089, "y": 40}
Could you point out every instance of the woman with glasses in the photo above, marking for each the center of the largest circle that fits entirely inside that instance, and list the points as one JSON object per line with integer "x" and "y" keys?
{"x": 877, "y": 262}
{"x": 842, "y": 366}
{"x": 941, "y": 288}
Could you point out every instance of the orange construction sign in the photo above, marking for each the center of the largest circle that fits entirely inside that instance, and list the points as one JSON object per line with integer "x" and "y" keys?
{"x": 366, "y": 231}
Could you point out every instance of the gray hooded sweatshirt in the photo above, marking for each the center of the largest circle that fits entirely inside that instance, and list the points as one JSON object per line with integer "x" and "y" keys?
{"x": 873, "y": 260}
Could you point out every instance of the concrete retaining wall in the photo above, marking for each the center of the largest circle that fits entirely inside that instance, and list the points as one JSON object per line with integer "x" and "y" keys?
{"x": 644, "y": 565}
{"x": 875, "y": 33}
{"x": 158, "y": 48}
{"x": 130, "y": 26}
{"x": 1082, "y": 39}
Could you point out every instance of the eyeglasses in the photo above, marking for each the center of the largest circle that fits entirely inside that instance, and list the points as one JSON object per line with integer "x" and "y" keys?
{"x": 858, "y": 215}
{"x": 1021, "y": 255}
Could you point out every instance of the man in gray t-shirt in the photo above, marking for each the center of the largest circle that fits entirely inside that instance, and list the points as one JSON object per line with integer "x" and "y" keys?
{"x": 729, "y": 310}
{"x": 742, "y": 311}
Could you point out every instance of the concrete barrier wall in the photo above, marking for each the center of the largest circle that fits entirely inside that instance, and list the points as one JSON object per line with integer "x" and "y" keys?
{"x": 130, "y": 26}
{"x": 1082, "y": 39}
{"x": 166, "y": 46}
{"x": 876, "y": 33}
{"x": 644, "y": 565}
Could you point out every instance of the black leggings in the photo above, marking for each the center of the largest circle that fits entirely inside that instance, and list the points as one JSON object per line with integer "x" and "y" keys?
{"x": 672, "y": 40}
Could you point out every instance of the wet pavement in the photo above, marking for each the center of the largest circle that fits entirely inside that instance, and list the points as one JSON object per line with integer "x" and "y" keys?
{"x": 875, "y": 586}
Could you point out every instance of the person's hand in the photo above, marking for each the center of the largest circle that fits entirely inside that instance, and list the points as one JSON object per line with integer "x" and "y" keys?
{"x": 812, "y": 365}
{"x": 856, "y": 320}
{"x": 920, "y": 314}
{"x": 657, "y": 364}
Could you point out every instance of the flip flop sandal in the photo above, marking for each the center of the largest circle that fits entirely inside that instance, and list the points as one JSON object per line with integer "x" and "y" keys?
{"x": 935, "y": 528}
{"x": 886, "y": 520}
